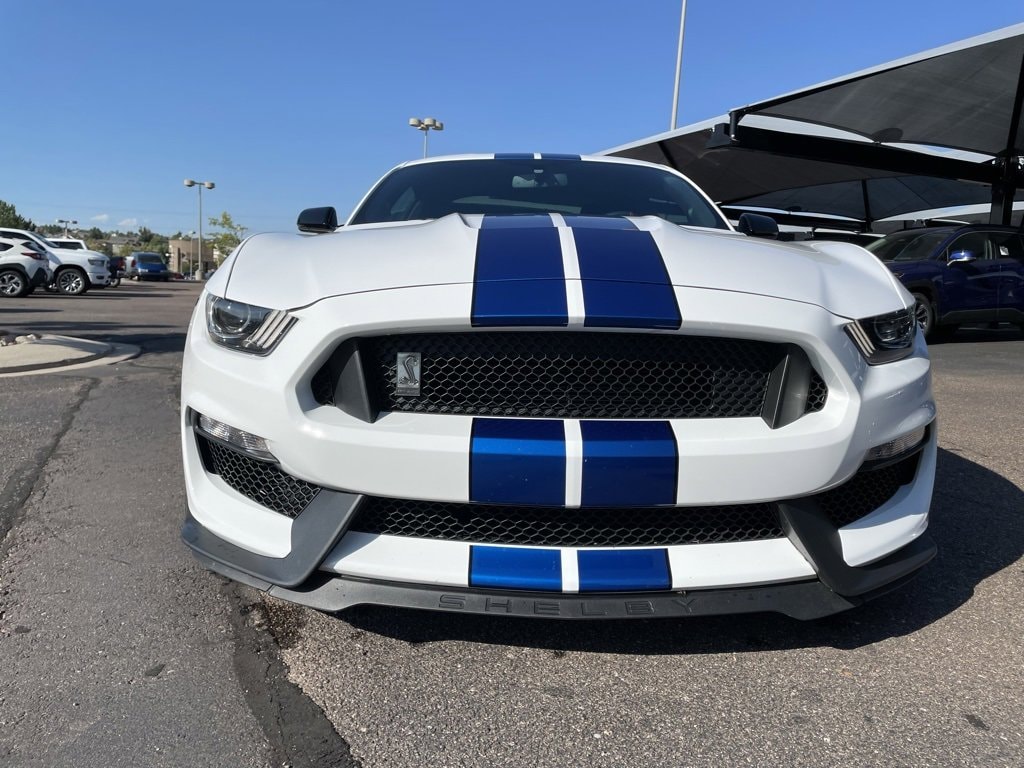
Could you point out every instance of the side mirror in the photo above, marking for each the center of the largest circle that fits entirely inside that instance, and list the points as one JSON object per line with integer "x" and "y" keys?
{"x": 318, "y": 220}
{"x": 756, "y": 225}
{"x": 961, "y": 257}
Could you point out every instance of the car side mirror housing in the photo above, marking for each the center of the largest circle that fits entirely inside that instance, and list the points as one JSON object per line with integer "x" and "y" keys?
{"x": 318, "y": 220}
{"x": 961, "y": 257}
{"x": 756, "y": 225}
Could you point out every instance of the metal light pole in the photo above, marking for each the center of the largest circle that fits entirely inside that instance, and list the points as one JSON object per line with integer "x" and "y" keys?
{"x": 199, "y": 185}
{"x": 426, "y": 125}
{"x": 66, "y": 223}
{"x": 679, "y": 69}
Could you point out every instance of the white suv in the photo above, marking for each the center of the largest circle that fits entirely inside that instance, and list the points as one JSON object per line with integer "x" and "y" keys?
{"x": 74, "y": 271}
{"x": 24, "y": 266}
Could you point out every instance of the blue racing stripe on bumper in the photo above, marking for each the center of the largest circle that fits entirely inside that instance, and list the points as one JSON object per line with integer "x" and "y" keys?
{"x": 625, "y": 283}
{"x": 628, "y": 463}
{"x": 519, "y": 279}
{"x": 623, "y": 570}
{"x": 515, "y": 568}
{"x": 517, "y": 461}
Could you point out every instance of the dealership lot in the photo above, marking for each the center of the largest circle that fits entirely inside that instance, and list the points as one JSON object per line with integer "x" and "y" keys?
{"x": 118, "y": 645}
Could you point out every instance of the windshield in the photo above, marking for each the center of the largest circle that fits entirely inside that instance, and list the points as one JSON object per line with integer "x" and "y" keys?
{"x": 525, "y": 186}
{"x": 908, "y": 246}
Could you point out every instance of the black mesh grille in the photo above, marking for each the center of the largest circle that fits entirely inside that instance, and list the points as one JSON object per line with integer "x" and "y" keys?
{"x": 817, "y": 393}
{"x": 576, "y": 375}
{"x": 866, "y": 491}
{"x": 547, "y": 526}
{"x": 263, "y": 483}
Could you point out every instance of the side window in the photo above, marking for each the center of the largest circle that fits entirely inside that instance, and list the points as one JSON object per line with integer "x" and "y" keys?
{"x": 4, "y": 247}
{"x": 1006, "y": 245}
{"x": 973, "y": 243}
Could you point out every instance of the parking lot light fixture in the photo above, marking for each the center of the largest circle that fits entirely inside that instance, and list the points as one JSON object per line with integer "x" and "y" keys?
{"x": 199, "y": 186}
{"x": 67, "y": 223}
{"x": 427, "y": 124}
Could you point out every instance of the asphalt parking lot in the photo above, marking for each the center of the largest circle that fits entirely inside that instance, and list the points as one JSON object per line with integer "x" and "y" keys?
{"x": 118, "y": 649}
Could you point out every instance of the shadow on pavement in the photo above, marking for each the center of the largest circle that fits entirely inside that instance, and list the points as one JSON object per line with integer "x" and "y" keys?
{"x": 977, "y": 520}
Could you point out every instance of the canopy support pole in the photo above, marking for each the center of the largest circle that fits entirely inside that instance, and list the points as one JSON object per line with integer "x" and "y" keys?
{"x": 1005, "y": 189}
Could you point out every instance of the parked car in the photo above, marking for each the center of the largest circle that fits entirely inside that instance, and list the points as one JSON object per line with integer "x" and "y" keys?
{"x": 23, "y": 267}
{"x": 74, "y": 271}
{"x": 959, "y": 274}
{"x": 556, "y": 386}
{"x": 116, "y": 270}
{"x": 144, "y": 265}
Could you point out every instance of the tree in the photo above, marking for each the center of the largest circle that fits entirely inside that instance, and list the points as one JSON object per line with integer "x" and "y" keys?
{"x": 95, "y": 234}
{"x": 231, "y": 234}
{"x": 9, "y": 218}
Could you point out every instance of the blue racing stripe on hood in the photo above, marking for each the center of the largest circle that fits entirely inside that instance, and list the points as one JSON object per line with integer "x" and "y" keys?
{"x": 515, "y": 568}
{"x": 513, "y": 155}
{"x": 625, "y": 282}
{"x": 517, "y": 461}
{"x": 519, "y": 278}
{"x": 623, "y": 570}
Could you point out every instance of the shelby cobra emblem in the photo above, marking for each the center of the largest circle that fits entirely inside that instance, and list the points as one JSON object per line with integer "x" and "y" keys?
{"x": 407, "y": 374}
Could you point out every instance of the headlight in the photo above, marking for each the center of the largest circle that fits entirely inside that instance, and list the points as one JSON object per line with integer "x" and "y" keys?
{"x": 884, "y": 338}
{"x": 246, "y": 327}
{"x": 98, "y": 262}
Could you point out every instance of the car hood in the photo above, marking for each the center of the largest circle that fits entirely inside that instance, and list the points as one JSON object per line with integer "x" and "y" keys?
{"x": 288, "y": 271}
{"x": 74, "y": 256}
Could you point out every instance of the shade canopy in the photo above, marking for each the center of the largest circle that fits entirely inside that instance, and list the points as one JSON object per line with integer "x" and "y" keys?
{"x": 938, "y": 129}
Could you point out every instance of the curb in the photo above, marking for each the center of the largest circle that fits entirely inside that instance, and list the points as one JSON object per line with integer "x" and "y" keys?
{"x": 103, "y": 350}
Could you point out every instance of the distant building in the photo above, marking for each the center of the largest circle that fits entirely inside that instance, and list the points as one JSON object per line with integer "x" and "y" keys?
{"x": 183, "y": 255}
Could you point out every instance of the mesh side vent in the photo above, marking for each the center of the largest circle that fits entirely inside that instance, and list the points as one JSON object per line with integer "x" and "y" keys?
{"x": 257, "y": 480}
{"x": 866, "y": 491}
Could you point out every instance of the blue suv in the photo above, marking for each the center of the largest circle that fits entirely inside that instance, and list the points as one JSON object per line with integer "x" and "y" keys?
{"x": 143, "y": 265}
{"x": 967, "y": 274}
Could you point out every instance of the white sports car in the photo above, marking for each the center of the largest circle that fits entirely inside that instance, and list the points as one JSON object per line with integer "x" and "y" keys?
{"x": 556, "y": 386}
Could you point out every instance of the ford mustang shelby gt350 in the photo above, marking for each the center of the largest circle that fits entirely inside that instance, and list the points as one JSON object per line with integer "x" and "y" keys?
{"x": 557, "y": 386}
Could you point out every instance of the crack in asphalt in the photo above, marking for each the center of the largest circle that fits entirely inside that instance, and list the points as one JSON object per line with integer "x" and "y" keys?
{"x": 26, "y": 475}
{"x": 299, "y": 732}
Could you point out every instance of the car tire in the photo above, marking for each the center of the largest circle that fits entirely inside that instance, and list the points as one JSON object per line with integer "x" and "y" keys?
{"x": 13, "y": 284}
{"x": 114, "y": 282}
{"x": 924, "y": 310}
{"x": 71, "y": 281}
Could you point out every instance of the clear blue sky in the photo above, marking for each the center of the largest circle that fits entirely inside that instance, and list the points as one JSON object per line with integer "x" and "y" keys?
{"x": 286, "y": 105}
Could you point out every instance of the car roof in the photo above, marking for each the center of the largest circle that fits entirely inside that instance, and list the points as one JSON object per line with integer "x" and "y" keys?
{"x": 534, "y": 156}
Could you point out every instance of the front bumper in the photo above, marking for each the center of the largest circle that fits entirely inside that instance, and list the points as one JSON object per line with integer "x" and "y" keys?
{"x": 814, "y": 567}
{"x": 99, "y": 276}
{"x": 807, "y": 599}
